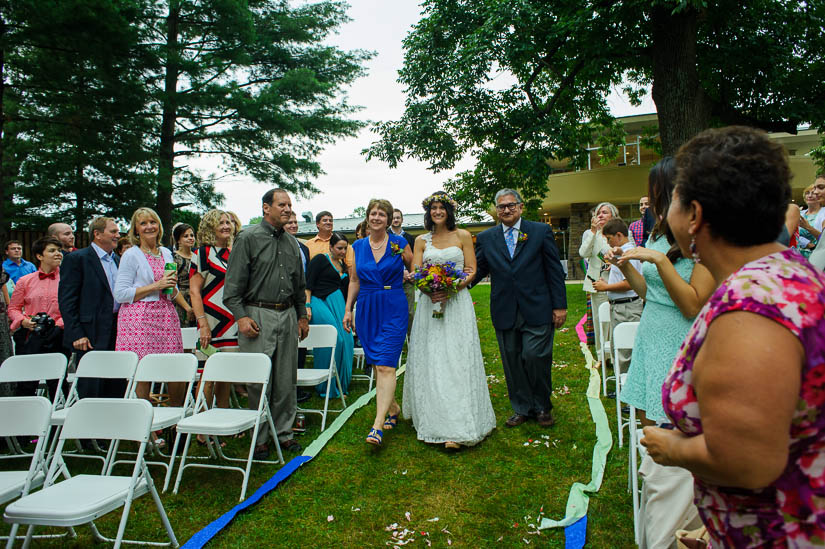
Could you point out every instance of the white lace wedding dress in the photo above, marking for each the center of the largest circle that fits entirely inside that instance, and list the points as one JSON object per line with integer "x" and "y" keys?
{"x": 445, "y": 385}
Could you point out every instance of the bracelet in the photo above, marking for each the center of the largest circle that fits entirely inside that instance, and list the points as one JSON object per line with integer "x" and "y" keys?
{"x": 200, "y": 317}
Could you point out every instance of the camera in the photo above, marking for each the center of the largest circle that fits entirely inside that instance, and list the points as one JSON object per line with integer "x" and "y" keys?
{"x": 43, "y": 323}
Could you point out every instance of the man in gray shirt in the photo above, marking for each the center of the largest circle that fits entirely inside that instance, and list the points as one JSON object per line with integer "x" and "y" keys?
{"x": 264, "y": 290}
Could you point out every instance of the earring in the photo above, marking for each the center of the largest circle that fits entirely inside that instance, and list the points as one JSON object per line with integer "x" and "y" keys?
{"x": 693, "y": 251}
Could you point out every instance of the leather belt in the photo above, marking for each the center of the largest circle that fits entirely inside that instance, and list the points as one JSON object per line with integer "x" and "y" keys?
{"x": 623, "y": 300}
{"x": 282, "y": 306}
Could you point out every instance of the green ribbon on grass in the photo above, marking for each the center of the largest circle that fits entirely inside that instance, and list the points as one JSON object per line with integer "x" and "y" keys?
{"x": 578, "y": 500}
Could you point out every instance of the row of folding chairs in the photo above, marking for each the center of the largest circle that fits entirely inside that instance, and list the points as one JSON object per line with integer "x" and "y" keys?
{"x": 67, "y": 501}
{"x": 35, "y": 416}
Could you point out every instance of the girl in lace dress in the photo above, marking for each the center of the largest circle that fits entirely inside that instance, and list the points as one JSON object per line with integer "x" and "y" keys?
{"x": 445, "y": 388}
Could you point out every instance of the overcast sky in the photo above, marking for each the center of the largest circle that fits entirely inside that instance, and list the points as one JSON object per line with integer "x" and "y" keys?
{"x": 350, "y": 181}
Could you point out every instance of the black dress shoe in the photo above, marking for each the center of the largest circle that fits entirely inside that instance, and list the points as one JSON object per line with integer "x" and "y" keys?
{"x": 546, "y": 419}
{"x": 515, "y": 420}
{"x": 291, "y": 446}
{"x": 261, "y": 452}
{"x": 303, "y": 396}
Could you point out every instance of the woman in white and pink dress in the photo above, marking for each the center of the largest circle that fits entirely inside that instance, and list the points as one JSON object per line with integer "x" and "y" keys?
{"x": 147, "y": 321}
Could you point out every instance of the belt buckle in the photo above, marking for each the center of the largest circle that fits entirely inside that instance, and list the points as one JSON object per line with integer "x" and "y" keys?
{"x": 388, "y": 287}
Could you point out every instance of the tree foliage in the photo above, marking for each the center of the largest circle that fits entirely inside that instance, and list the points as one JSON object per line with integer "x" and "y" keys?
{"x": 514, "y": 83}
{"x": 109, "y": 103}
{"x": 249, "y": 82}
{"x": 73, "y": 103}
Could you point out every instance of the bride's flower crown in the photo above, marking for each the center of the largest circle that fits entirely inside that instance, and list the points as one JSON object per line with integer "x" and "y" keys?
{"x": 439, "y": 197}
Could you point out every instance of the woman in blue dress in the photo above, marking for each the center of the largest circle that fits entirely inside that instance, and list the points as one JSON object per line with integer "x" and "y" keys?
{"x": 381, "y": 314}
{"x": 327, "y": 285}
{"x": 674, "y": 289}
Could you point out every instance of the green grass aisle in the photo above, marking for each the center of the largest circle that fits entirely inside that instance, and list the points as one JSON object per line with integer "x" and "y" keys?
{"x": 351, "y": 493}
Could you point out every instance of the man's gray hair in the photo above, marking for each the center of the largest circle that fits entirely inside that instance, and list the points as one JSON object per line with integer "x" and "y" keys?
{"x": 613, "y": 209}
{"x": 504, "y": 192}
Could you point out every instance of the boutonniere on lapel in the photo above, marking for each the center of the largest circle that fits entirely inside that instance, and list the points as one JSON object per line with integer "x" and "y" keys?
{"x": 522, "y": 237}
{"x": 396, "y": 249}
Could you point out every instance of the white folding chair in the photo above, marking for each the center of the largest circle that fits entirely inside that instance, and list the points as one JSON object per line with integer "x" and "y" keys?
{"x": 97, "y": 364}
{"x": 83, "y": 498}
{"x": 623, "y": 338}
{"x": 25, "y": 416}
{"x": 603, "y": 352}
{"x": 321, "y": 336}
{"x": 213, "y": 422}
{"x": 360, "y": 364}
{"x": 189, "y": 338}
{"x": 635, "y": 450}
{"x": 39, "y": 367}
{"x": 166, "y": 368}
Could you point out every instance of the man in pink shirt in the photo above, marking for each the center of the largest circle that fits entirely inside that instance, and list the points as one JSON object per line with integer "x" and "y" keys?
{"x": 33, "y": 311}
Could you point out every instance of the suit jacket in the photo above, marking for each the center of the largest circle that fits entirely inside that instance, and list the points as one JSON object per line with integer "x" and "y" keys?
{"x": 531, "y": 283}
{"x": 85, "y": 300}
{"x": 305, "y": 253}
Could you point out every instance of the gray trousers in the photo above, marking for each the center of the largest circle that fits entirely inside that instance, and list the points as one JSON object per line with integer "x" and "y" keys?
{"x": 279, "y": 340}
{"x": 625, "y": 312}
{"x": 527, "y": 357}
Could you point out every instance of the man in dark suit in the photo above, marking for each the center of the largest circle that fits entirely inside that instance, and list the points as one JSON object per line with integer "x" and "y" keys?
{"x": 527, "y": 302}
{"x": 87, "y": 305}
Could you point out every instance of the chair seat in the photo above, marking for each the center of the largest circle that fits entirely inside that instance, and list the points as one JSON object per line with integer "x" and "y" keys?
{"x": 12, "y": 482}
{"x": 165, "y": 417}
{"x": 308, "y": 377}
{"x": 358, "y": 351}
{"x": 218, "y": 421}
{"x": 77, "y": 500}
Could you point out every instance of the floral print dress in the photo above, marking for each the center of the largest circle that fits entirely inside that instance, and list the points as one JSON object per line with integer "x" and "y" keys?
{"x": 784, "y": 287}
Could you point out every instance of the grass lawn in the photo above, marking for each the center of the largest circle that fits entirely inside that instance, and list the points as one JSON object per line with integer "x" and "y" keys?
{"x": 483, "y": 496}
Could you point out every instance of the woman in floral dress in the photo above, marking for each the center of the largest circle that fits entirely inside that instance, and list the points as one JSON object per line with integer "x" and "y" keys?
{"x": 747, "y": 388}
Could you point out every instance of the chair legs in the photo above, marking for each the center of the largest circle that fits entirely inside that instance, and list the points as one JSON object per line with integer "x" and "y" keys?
{"x": 633, "y": 471}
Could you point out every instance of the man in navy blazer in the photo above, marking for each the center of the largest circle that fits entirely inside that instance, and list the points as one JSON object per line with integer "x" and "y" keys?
{"x": 87, "y": 305}
{"x": 527, "y": 302}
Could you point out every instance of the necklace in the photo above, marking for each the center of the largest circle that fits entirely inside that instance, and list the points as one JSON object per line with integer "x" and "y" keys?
{"x": 151, "y": 252}
{"x": 380, "y": 244}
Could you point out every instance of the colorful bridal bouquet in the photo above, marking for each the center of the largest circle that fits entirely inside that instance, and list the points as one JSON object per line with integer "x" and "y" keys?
{"x": 436, "y": 277}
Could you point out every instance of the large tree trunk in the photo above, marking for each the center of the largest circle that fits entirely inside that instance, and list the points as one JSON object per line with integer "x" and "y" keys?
{"x": 683, "y": 107}
{"x": 166, "y": 164}
{"x": 5, "y": 222}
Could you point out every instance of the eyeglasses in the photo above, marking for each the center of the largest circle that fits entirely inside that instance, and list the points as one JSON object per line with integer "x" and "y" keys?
{"x": 510, "y": 206}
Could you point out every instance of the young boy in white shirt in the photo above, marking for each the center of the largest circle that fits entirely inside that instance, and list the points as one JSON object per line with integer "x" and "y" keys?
{"x": 625, "y": 304}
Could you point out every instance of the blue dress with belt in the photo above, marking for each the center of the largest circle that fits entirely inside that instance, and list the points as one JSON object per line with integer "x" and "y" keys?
{"x": 381, "y": 313}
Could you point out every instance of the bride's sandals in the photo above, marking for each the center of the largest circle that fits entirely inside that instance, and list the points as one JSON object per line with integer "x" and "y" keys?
{"x": 450, "y": 445}
{"x": 391, "y": 421}
{"x": 375, "y": 437}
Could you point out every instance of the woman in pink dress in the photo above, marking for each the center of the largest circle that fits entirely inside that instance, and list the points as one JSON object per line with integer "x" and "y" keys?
{"x": 747, "y": 388}
{"x": 148, "y": 322}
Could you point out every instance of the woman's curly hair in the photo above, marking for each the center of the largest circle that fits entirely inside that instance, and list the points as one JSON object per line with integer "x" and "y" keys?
{"x": 209, "y": 227}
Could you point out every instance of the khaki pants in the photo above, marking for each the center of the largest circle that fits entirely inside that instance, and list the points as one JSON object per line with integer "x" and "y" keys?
{"x": 625, "y": 312}
{"x": 666, "y": 504}
{"x": 277, "y": 339}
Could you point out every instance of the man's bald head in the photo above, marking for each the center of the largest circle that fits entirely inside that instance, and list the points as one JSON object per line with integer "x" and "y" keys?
{"x": 63, "y": 233}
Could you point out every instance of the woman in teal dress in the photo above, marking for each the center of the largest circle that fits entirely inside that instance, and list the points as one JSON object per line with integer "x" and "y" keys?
{"x": 327, "y": 284}
{"x": 381, "y": 314}
{"x": 674, "y": 289}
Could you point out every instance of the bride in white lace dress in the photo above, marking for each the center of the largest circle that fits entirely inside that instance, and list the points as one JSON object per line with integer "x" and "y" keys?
{"x": 445, "y": 386}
